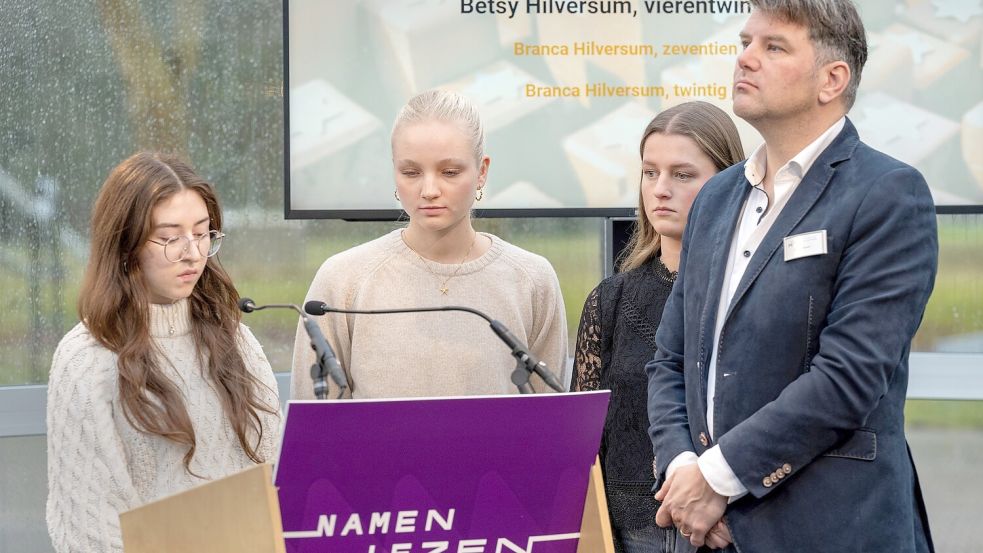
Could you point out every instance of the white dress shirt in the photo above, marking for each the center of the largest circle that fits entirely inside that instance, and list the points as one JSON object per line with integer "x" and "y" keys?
{"x": 756, "y": 219}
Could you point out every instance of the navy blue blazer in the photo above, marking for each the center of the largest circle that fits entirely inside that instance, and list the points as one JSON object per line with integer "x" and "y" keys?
{"x": 812, "y": 361}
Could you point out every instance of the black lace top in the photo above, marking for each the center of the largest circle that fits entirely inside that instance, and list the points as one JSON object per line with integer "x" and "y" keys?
{"x": 615, "y": 340}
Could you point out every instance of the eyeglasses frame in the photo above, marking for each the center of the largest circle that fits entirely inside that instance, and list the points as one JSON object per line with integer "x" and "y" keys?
{"x": 195, "y": 241}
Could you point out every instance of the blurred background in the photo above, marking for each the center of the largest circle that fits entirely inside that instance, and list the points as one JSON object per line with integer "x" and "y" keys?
{"x": 83, "y": 84}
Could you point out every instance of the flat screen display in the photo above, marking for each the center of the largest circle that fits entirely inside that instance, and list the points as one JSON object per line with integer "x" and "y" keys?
{"x": 565, "y": 89}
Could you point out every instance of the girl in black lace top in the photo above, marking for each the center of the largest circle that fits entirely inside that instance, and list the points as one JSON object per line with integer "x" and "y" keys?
{"x": 681, "y": 148}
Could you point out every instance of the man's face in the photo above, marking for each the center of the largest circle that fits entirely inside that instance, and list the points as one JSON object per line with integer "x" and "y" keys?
{"x": 776, "y": 77}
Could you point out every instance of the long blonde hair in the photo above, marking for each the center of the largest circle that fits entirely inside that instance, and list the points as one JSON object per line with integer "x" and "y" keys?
{"x": 716, "y": 135}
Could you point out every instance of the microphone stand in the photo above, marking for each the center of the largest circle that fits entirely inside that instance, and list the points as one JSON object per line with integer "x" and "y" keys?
{"x": 520, "y": 377}
{"x": 526, "y": 363}
{"x": 325, "y": 362}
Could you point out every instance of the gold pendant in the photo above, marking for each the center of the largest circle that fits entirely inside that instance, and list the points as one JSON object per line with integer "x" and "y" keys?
{"x": 444, "y": 290}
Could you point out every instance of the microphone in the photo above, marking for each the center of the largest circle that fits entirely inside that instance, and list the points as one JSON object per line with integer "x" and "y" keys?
{"x": 325, "y": 363}
{"x": 526, "y": 363}
{"x": 525, "y": 357}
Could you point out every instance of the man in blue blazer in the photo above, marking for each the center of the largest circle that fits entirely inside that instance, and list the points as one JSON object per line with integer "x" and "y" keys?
{"x": 776, "y": 399}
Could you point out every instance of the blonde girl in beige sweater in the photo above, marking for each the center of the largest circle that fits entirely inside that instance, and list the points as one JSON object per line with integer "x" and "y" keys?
{"x": 440, "y": 170}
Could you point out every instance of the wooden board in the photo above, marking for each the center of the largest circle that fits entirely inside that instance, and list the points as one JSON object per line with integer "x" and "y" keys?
{"x": 236, "y": 514}
{"x": 595, "y": 529}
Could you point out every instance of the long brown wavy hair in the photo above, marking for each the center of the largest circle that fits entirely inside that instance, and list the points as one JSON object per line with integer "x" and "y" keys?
{"x": 114, "y": 304}
{"x": 716, "y": 135}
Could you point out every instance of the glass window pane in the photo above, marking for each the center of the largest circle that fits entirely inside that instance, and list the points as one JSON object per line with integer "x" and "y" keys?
{"x": 87, "y": 83}
{"x": 953, "y": 320}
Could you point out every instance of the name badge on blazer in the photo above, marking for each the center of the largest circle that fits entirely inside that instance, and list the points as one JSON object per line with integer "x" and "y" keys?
{"x": 805, "y": 245}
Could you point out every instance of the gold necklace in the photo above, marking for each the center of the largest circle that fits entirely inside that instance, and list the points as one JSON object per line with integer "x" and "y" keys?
{"x": 443, "y": 285}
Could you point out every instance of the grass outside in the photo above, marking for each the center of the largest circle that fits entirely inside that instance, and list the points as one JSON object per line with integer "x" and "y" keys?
{"x": 956, "y": 305}
{"x": 274, "y": 265}
{"x": 923, "y": 413}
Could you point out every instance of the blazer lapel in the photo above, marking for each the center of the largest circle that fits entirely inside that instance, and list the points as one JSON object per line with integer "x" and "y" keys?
{"x": 722, "y": 229}
{"x": 803, "y": 198}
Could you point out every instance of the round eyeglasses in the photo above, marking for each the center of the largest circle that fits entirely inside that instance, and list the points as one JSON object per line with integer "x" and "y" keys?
{"x": 177, "y": 248}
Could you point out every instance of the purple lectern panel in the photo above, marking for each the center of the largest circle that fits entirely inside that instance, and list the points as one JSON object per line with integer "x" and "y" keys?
{"x": 502, "y": 474}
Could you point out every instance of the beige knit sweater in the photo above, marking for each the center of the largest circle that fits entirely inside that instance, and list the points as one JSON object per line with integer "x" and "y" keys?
{"x": 432, "y": 354}
{"x": 99, "y": 465}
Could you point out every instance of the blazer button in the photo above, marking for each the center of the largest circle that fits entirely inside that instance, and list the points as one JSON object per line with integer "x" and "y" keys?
{"x": 704, "y": 440}
{"x": 787, "y": 468}
{"x": 774, "y": 477}
{"x": 767, "y": 482}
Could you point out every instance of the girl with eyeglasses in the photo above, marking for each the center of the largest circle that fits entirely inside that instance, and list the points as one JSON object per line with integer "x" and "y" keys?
{"x": 159, "y": 388}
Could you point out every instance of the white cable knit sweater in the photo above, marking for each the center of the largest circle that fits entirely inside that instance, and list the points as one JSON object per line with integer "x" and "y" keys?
{"x": 99, "y": 465}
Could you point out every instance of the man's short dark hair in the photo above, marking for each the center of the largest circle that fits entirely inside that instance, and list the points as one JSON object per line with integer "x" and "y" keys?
{"x": 835, "y": 29}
